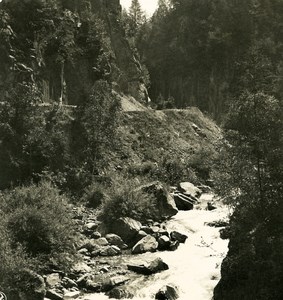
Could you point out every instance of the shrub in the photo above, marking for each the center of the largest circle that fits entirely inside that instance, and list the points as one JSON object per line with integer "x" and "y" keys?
{"x": 94, "y": 195}
{"x": 124, "y": 200}
{"x": 36, "y": 219}
{"x": 174, "y": 171}
{"x": 144, "y": 169}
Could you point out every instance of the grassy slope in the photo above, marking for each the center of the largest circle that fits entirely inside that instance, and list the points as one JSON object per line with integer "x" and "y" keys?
{"x": 149, "y": 135}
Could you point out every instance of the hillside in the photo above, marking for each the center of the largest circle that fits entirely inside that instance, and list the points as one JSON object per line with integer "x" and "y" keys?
{"x": 184, "y": 138}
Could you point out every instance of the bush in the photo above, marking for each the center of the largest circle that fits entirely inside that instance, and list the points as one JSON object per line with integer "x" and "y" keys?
{"x": 124, "y": 200}
{"x": 173, "y": 171}
{"x": 36, "y": 219}
{"x": 144, "y": 169}
{"x": 94, "y": 195}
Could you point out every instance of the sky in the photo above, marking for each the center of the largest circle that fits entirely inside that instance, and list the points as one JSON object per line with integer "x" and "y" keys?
{"x": 149, "y": 6}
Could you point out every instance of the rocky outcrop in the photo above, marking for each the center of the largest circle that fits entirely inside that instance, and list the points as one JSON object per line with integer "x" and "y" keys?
{"x": 67, "y": 74}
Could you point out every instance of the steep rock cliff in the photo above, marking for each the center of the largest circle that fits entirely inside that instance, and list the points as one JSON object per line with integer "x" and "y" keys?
{"x": 64, "y": 47}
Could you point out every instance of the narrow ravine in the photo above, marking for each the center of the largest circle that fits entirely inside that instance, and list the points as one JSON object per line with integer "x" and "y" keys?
{"x": 195, "y": 267}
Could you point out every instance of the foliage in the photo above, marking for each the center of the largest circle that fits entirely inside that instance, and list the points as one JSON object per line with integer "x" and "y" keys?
{"x": 96, "y": 124}
{"x": 125, "y": 200}
{"x": 251, "y": 181}
{"x": 36, "y": 219}
{"x": 32, "y": 137}
{"x": 213, "y": 57}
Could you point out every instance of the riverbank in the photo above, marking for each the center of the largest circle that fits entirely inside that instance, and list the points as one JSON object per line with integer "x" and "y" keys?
{"x": 194, "y": 267}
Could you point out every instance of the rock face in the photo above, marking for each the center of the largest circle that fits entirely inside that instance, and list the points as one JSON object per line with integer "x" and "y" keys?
{"x": 146, "y": 244}
{"x": 148, "y": 268}
{"x": 71, "y": 80}
{"x": 164, "y": 201}
{"x": 126, "y": 228}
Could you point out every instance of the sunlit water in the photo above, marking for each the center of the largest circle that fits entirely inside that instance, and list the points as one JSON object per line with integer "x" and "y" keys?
{"x": 194, "y": 267}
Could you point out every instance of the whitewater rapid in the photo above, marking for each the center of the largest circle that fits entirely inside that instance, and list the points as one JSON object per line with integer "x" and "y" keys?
{"x": 194, "y": 267}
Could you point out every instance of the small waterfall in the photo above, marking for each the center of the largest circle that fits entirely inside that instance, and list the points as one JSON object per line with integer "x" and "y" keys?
{"x": 194, "y": 267}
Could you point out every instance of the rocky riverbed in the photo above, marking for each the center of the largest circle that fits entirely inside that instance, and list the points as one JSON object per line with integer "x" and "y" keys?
{"x": 177, "y": 258}
{"x": 194, "y": 268}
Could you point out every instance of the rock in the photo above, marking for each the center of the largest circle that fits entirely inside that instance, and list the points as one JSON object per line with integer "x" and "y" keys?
{"x": 52, "y": 280}
{"x": 104, "y": 269}
{"x": 163, "y": 242}
{"x": 81, "y": 282}
{"x": 81, "y": 268}
{"x": 210, "y": 207}
{"x": 164, "y": 201}
{"x": 182, "y": 202}
{"x": 141, "y": 234}
{"x": 112, "y": 282}
{"x": 189, "y": 189}
{"x": 126, "y": 228}
{"x": 146, "y": 244}
{"x": 115, "y": 240}
{"x": 174, "y": 245}
{"x": 101, "y": 242}
{"x": 177, "y": 236}
{"x": 91, "y": 226}
{"x": 96, "y": 235}
{"x": 69, "y": 283}
{"x": 54, "y": 295}
{"x": 110, "y": 251}
{"x": 35, "y": 286}
{"x": 147, "y": 229}
{"x": 93, "y": 286}
{"x": 168, "y": 292}
{"x": 94, "y": 245}
{"x": 148, "y": 268}
{"x": 72, "y": 295}
{"x": 121, "y": 293}
{"x": 83, "y": 251}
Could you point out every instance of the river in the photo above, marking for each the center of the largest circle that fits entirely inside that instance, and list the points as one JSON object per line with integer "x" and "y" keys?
{"x": 194, "y": 267}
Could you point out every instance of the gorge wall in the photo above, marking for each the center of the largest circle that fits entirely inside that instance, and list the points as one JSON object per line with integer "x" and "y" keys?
{"x": 64, "y": 47}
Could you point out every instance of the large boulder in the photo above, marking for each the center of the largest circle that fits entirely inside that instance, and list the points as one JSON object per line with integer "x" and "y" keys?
{"x": 189, "y": 189}
{"x": 146, "y": 244}
{"x": 183, "y": 202}
{"x": 148, "y": 268}
{"x": 126, "y": 228}
{"x": 166, "y": 206}
{"x": 168, "y": 292}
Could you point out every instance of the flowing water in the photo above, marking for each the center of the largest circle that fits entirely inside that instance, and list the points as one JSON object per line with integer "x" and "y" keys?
{"x": 195, "y": 267}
